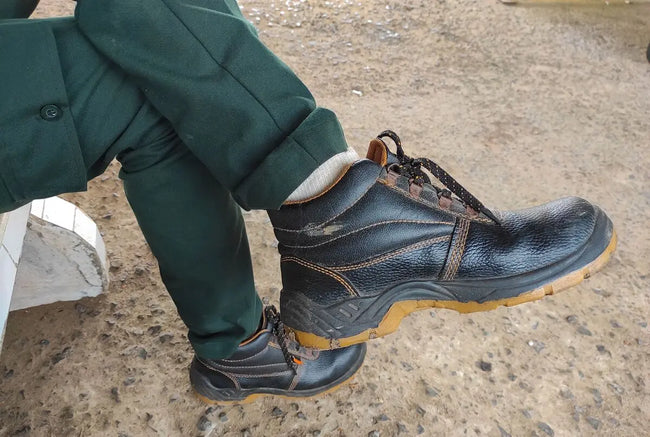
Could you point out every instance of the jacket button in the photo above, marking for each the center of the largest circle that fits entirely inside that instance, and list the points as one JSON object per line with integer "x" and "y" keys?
{"x": 51, "y": 112}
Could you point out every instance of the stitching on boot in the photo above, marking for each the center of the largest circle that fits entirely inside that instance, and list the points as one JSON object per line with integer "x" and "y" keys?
{"x": 322, "y": 270}
{"x": 387, "y": 222}
{"x": 389, "y": 255}
{"x": 459, "y": 248}
{"x": 243, "y": 359}
{"x": 226, "y": 374}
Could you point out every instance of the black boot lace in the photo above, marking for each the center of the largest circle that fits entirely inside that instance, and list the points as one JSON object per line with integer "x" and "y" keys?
{"x": 280, "y": 333}
{"x": 412, "y": 168}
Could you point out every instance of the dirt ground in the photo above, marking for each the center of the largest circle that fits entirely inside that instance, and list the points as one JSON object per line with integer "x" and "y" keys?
{"x": 522, "y": 104}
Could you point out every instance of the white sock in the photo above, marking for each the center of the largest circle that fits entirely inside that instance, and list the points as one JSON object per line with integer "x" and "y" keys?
{"x": 324, "y": 176}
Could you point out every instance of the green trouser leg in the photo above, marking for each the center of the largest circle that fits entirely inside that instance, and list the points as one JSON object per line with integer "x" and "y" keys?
{"x": 235, "y": 105}
{"x": 197, "y": 233}
{"x": 190, "y": 221}
{"x": 242, "y": 113}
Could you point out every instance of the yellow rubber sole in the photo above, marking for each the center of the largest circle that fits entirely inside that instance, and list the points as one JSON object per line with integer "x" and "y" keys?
{"x": 399, "y": 310}
{"x": 252, "y": 398}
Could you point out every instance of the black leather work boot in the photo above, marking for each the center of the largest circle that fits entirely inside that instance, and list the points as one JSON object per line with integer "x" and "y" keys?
{"x": 270, "y": 363}
{"x": 383, "y": 242}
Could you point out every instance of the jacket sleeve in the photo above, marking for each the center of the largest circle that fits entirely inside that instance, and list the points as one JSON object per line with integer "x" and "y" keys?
{"x": 39, "y": 149}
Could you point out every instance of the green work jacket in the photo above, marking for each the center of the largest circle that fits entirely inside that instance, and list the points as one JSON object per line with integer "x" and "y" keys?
{"x": 40, "y": 154}
{"x": 17, "y": 8}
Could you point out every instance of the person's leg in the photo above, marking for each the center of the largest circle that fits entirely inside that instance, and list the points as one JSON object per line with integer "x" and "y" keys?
{"x": 382, "y": 241}
{"x": 190, "y": 221}
{"x": 236, "y": 106}
{"x": 197, "y": 233}
{"x": 192, "y": 224}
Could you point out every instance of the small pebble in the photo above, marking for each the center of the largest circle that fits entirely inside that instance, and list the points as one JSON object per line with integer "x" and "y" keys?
{"x": 373, "y": 433}
{"x": 165, "y": 338}
{"x": 430, "y": 391}
{"x": 420, "y": 429}
{"x": 129, "y": 381}
{"x": 116, "y": 264}
{"x": 503, "y": 432}
{"x": 547, "y": 429}
{"x": 512, "y": 376}
{"x": 584, "y": 331}
{"x": 566, "y": 393}
{"x": 602, "y": 293}
{"x": 204, "y": 424}
{"x": 576, "y": 413}
{"x": 526, "y": 414}
{"x": 223, "y": 417}
{"x": 23, "y": 431}
{"x": 614, "y": 324}
{"x": 61, "y": 355}
{"x": 617, "y": 388}
{"x": 484, "y": 366}
{"x": 598, "y": 399}
{"x": 537, "y": 345}
{"x": 154, "y": 330}
{"x": 44, "y": 342}
{"x": 595, "y": 423}
{"x": 401, "y": 428}
{"x": 276, "y": 412}
{"x": 246, "y": 433}
{"x": 572, "y": 319}
{"x": 67, "y": 413}
{"x": 301, "y": 415}
{"x": 381, "y": 418}
{"x": 115, "y": 394}
{"x": 420, "y": 410}
{"x": 315, "y": 432}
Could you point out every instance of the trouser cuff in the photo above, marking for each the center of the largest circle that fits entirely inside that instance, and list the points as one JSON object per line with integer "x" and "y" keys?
{"x": 317, "y": 138}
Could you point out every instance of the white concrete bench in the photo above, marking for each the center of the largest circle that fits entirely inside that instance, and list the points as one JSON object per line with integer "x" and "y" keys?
{"x": 13, "y": 226}
{"x": 56, "y": 254}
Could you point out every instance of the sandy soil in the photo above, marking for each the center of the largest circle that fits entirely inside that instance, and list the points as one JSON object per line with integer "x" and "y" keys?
{"x": 522, "y": 104}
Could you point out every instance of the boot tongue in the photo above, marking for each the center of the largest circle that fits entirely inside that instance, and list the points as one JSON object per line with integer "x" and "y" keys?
{"x": 379, "y": 152}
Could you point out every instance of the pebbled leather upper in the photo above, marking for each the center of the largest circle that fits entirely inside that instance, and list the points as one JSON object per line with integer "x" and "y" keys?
{"x": 527, "y": 239}
{"x": 373, "y": 229}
